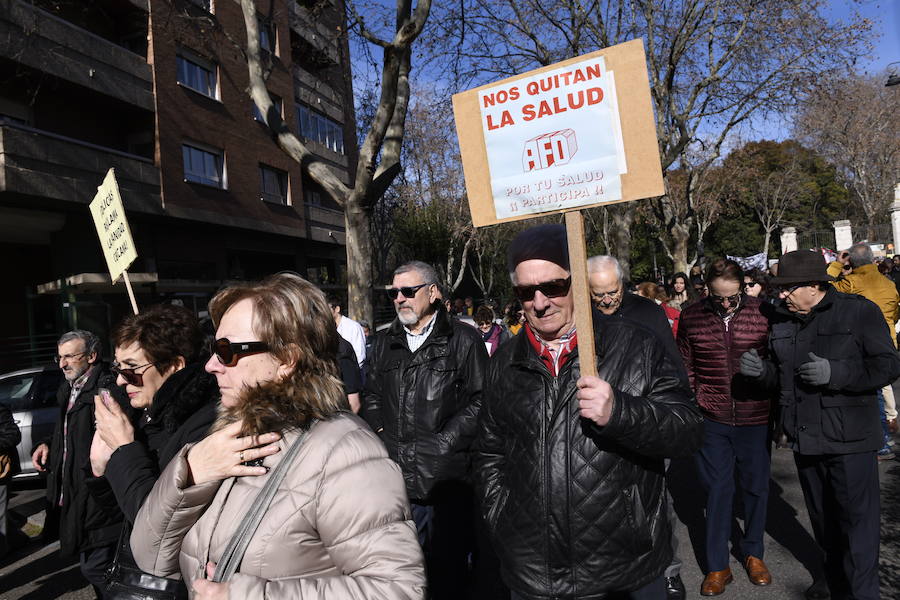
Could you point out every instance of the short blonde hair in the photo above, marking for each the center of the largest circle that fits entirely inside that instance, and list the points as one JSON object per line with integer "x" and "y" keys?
{"x": 293, "y": 318}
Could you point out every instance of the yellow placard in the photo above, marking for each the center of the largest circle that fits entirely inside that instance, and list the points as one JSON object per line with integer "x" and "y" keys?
{"x": 568, "y": 136}
{"x": 112, "y": 227}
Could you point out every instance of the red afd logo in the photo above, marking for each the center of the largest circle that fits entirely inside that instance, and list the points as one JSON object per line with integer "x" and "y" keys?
{"x": 549, "y": 149}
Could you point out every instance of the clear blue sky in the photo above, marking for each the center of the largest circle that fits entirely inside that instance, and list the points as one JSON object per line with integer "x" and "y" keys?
{"x": 885, "y": 15}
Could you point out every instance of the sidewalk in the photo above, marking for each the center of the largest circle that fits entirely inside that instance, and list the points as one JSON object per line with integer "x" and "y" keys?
{"x": 38, "y": 573}
{"x": 791, "y": 554}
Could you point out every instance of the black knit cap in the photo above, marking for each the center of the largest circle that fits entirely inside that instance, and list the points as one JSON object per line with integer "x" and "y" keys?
{"x": 542, "y": 242}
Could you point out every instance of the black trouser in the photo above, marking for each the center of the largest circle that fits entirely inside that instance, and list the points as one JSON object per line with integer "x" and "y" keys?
{"x": 842, "y": 499}
{"x": 450, "y": 532}
{"x": 94, "y": 563}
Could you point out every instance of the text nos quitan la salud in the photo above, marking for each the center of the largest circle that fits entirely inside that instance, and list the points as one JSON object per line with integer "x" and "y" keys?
{"x": 547, "y": 106}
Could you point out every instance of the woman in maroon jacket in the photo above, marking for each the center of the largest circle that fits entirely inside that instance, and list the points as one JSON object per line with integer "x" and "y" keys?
{"x": 712, "y": 335}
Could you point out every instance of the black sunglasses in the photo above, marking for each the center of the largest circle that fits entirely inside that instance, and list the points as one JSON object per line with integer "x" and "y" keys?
{"x": 130, "y": 374}
{"x": 229, "y": 353}
{"x": 407, "y": 291}
{"x": 551, "y": 289}
{"x": 721, "y": 299}
{"x": 749, "y": 284}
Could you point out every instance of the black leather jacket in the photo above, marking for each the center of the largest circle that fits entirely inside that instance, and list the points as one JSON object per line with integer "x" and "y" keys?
{"x": 425, "y": 404}
{"x": 576, "y": 510}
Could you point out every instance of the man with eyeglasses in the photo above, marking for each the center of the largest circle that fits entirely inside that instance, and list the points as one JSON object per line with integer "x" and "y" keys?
{"x": 86, "y": 528}
{"x": 569, "y": 469}
{"x": 829, "y": 353}
{"x": 422, "y": 396}
{"x": 712, "y": 335}
{"x": 611, "y": 301}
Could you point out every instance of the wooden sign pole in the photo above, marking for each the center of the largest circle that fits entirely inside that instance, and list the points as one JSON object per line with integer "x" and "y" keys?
{"x": 581, "y": 292}
{"x": 131, "y": 292}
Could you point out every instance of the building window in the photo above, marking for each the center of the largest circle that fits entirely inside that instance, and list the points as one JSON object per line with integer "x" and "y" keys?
{"x": 312, "y": 197}
{"x": 198, "y": 75}
{"x": 257, "y": 115}
{"x": 267, "y": 35}
{"x": 204, "y": 166}
{"x": 319, "y": 128}
{"x": 273, "y": 185}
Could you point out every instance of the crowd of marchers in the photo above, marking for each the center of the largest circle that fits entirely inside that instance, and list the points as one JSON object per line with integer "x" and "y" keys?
{"x": 290, "y": 453}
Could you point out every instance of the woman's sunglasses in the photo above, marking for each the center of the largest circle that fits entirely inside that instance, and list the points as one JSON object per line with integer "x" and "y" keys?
{"x": 229, "y": 353}
{"x": 130, "y": 375}
{"x": 551, "y": 289}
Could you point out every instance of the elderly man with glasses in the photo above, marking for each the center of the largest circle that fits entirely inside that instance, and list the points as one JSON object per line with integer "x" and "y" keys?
{"x": 569, "y": 469}
{"x": 712, "y": 336}
{"x": 607, "y": 282}
{"x": 828, "y": 355}
{"x": 422, "y": 396}
{"x": 87, "y": 529}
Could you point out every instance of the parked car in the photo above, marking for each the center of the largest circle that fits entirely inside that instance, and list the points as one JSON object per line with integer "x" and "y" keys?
{"x": 31, "y": 395}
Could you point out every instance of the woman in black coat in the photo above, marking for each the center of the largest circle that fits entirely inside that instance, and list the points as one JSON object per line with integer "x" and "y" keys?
{"x": 159, "y": 364}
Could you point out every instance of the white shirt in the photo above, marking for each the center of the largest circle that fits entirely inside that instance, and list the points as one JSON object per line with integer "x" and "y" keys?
{"x": 353, "y": 332}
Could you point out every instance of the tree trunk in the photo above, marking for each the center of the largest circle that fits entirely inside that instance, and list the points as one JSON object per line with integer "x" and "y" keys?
{"x": 680, "y": 237}
{"x": 622, "y": 217}
{"x": 766, "y": 241}
{"x": 359, "y": 261}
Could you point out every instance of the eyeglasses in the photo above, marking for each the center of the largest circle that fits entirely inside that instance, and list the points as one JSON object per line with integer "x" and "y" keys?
{"x": 130, "y": 374}
{"x": 791, "y": 289}
{"x": 229, "y": 353}
{"x": 601, "y": 296}
{"x": 721, "y": 299}
{"x": 750, "y": 284}
{"x": 407, "y": 291}
{"x": 551, "y": 289}
{"x": 68, "y": 357}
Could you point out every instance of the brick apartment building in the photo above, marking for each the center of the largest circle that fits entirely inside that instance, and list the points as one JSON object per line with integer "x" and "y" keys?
{"x": 157, "y": 89}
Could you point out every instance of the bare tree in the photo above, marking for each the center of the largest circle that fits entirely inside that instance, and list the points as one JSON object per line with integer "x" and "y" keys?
{"x": 379, "y": 153}
{"x": 434, "y": 224}
{"x": 854, "y": 122}
{"x": 713, "y": 65}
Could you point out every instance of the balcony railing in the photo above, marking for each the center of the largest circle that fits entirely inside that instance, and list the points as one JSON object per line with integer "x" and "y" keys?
{"x": 39, "y": 163}
{"x": 46, "y": 43}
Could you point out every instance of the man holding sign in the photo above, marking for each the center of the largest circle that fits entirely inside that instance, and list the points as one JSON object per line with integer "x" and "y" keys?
{"x": 569, "y": 469}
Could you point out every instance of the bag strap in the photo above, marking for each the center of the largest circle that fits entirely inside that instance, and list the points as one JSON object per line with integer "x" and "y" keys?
{"x": 237, "y": 545}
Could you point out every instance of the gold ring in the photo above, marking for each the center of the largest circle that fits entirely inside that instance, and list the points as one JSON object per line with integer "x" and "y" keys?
{"x": 241, "y": 455}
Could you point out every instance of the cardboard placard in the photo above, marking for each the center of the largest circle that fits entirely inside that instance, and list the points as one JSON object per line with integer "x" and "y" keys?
{"x": 112, "y": 227}
{"x": 572, "y": 135}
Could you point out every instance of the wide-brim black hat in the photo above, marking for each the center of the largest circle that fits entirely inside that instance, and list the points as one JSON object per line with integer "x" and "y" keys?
{"x": 801, "y": 266}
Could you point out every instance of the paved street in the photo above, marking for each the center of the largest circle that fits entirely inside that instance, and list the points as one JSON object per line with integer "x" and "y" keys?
{"x": 37, "y": 572}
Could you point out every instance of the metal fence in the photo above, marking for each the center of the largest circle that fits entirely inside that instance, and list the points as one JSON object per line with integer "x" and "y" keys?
{"x": 816, "y": 239}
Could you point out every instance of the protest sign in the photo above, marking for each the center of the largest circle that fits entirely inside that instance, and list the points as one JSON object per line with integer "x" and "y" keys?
{"x": 115, "y": 235}
{"x": 571, "y": 135}
{"x": 568, "y": 136}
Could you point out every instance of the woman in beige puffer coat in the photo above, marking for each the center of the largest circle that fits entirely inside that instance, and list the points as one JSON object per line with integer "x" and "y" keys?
{"x": 339, "y": 525}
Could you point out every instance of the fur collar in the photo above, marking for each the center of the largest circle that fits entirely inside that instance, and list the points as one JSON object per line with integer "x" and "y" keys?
{"x": 283, "y": 405}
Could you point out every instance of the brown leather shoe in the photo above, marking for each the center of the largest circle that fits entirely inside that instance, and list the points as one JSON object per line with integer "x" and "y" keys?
{"x": 757, "y": 571}
{"x": 715, "y": 582}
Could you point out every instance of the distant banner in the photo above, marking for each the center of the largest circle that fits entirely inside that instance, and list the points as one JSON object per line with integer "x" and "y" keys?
{"x": 757, "y": 261}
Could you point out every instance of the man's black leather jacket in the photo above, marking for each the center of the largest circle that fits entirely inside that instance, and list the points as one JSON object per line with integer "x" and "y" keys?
{"x": 425, "y": 404}
{"x": 576, "y": 510}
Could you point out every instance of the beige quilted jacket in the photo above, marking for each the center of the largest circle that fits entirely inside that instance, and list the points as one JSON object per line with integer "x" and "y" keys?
{"x": 338, "y": 528}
